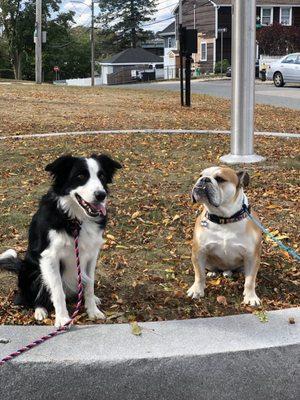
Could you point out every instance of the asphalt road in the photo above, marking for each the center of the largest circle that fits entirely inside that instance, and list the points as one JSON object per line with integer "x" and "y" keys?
{"x": 266, "y": 93}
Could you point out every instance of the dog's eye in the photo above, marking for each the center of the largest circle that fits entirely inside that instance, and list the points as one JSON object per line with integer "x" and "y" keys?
{"x": 81, "y": 177}
{"x": 219, "y": 179}
{"x": 101, "y": 175}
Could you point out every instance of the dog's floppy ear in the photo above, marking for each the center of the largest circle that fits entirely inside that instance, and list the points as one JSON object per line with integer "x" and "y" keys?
{"x": 244, "y": 179}
{"x": 109, "y": 165}
{"x": 60, "y": 171}
{"x": 193, "y": 198}
{"x": 61, "y": 166}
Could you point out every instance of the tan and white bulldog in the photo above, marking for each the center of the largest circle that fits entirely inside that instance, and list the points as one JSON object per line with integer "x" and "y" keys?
{"x": 224, "y": 238}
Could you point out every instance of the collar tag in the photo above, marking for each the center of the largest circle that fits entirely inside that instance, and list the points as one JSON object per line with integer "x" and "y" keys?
{"x": 204, "y": 224}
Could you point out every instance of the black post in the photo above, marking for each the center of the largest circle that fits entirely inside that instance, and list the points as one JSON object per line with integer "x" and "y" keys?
{"x": 188, "y": 80}
{"x": 181, "y": 64}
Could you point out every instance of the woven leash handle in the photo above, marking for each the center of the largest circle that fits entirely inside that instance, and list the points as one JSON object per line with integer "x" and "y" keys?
{"x": 66, "y": 327}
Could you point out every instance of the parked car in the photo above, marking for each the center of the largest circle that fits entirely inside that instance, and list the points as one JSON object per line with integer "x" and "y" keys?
{"x": 285, "y": 70}
{"x": 228, "y": 71}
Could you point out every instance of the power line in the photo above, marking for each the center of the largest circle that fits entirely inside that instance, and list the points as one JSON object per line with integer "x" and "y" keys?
{"x": 165, "y": 7}
{"x": 161, "y": 20}
{"x": 169, "y": 18}
{"x": 163, "y": 1}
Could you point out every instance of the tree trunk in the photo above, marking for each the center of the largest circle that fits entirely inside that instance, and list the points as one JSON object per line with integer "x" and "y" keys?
{"x": 17, "y": 65}
{"x": 133, "y": 29}
{"x": 133, "y": 37}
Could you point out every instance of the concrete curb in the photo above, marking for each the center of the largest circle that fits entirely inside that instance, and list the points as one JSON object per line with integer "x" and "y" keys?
{"x": 146, "y": 131}
{"x": 236, "y": 358}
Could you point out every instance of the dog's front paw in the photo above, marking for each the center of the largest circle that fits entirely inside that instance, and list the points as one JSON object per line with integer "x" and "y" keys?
{"x": 40, "y": 314}
{"x": 95, "y": 314}
{"x": 61, "y": 321}
{"x": 196, "y": 291}
{"x": 252, "y": 299}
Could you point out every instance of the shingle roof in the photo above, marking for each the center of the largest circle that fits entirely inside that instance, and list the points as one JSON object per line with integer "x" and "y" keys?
{"x": 133, "y": 55}
{"x": 169, "y": 29}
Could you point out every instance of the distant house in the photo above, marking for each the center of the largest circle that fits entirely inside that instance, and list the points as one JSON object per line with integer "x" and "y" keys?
{"x": 210, "y": 16}
{"x": 119, "y": 68}
{"x": 171, "y": 60}
{"x": 169, "y": 36}
{"x": 156, "y": 46}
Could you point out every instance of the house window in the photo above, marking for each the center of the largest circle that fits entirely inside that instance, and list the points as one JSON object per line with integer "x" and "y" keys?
{"x": 170, "y": 42}
{"x": 203, "y": 51}
{"x": 266, "y": 16}
{"x": 285, "y": 16}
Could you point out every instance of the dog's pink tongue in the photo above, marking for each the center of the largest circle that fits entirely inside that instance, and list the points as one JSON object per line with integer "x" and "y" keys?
{"x": 101, "y": 208}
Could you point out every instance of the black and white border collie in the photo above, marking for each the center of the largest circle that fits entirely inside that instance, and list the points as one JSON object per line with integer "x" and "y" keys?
{"x": 48, "y": 273}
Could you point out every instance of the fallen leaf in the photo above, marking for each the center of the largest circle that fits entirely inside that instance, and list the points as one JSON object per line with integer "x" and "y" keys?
{"x": 136, "y": 214}
{"x": 136, "y": 329}
{"x": 215, "y": 282}
{"x": 222, "y": 300}
{"x": 262, "y": 316}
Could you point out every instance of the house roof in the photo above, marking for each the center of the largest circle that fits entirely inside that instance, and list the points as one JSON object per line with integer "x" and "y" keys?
{"x": 133, "y": 55}
{"x": 168, "y": 30}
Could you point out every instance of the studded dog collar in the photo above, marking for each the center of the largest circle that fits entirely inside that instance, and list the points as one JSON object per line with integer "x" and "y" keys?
{"x": 239, "y": 216}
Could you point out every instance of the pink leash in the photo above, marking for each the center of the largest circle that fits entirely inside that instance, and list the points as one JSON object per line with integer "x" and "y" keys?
{"x": 66, "y": 327}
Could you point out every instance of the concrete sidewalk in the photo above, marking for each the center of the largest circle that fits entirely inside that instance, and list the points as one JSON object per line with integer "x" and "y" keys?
{"x": 235, "y": 357}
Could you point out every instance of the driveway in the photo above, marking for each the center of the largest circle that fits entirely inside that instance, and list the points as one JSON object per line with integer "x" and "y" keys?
{"x": 266, "y": 93}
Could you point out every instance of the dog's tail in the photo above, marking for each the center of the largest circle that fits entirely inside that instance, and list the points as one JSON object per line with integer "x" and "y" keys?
{"x": 9, "y": 260}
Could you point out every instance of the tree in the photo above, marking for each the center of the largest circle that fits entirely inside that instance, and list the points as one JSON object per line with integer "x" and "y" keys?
{"x": 126, "y": 19}
{"x": 18, "y": 19}
{"x": 69, "y": 49}
{"x": 106, "y": 43}
{"x": 278, "y": 40}
{"x": 5, "y": 67}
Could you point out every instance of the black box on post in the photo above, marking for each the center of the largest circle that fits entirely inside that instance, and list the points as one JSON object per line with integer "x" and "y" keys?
{"x": 189, "y": 41}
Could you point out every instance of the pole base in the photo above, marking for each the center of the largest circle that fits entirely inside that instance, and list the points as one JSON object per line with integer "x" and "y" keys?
{"x": 239, "y": 159}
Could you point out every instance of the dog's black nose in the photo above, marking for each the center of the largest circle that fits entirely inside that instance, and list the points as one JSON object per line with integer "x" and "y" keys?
{"x": 100, "y": 195}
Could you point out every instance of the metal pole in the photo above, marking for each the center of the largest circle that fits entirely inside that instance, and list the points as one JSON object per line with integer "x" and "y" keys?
{"x": 188, "y": 59}
{"x": 180, "y": 54}
{"x": 92, "y": 46}
{"x": 38, "y": 42}
{"x": 222, "y": 47}
{"x": 243, "y": 83}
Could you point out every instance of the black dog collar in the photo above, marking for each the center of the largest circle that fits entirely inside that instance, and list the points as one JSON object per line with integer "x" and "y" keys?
{"x": 239, "y": 216}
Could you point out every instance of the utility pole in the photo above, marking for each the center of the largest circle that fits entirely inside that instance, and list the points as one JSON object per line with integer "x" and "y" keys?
{"x": 92, "y": 45}
{"x": 38, "y": 42}
{"x": 243, "y": 83}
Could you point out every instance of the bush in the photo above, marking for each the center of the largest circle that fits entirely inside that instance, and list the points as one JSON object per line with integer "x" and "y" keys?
{"x": 278, "y": 40}
{"x": 226, "y": 64}
{"x": 7, "y": 74}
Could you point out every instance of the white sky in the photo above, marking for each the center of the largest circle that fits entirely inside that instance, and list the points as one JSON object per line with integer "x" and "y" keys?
{"x": 83, "y": 14}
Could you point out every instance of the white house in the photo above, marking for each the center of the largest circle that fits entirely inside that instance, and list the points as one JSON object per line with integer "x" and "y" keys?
{"x": 170, "y": 51}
